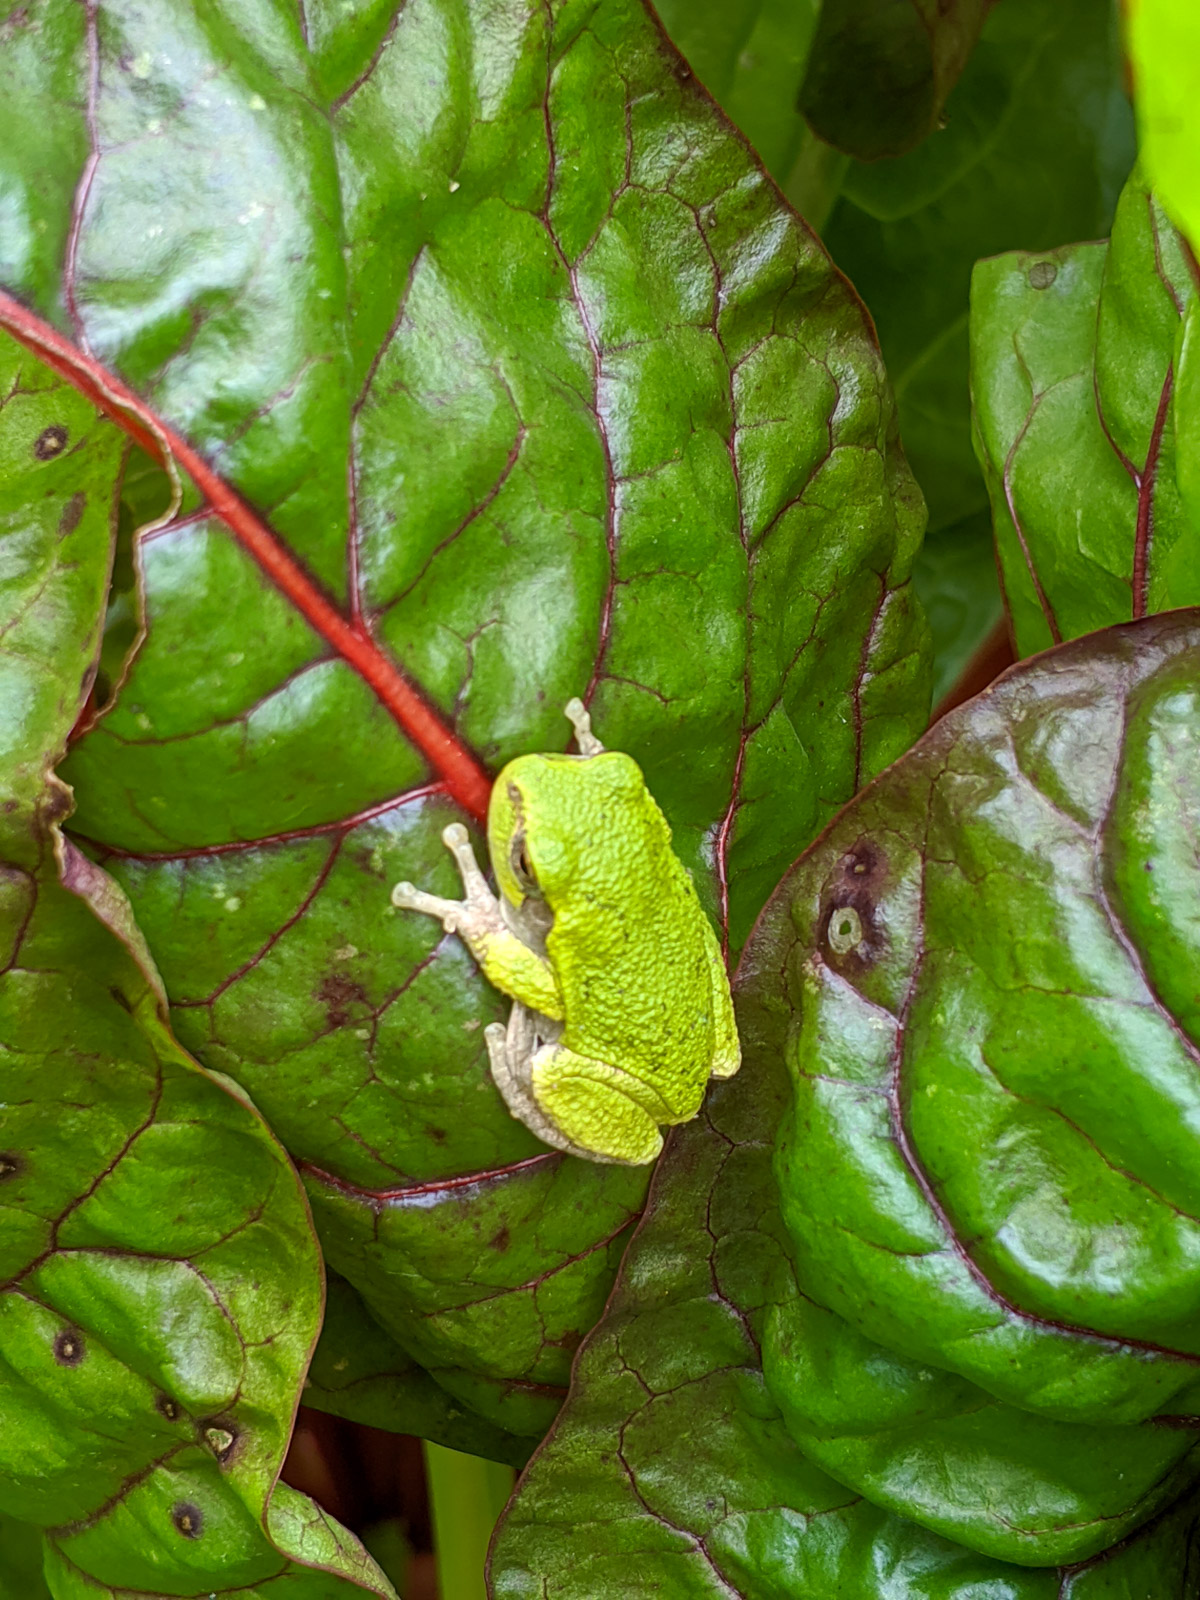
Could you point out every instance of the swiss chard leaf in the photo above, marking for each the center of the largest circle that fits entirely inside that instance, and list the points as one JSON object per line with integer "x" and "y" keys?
{"x": 160, "y": 1282}
{"x": 1037, "y": 142}
{"x": 544, "y": 393}
{"x": 1073, "y": 379}
{"x": 672, "y": 1468}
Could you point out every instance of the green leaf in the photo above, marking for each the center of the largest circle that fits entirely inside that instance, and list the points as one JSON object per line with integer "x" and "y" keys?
{"x": 484, "y": 1281}
{"x": 545, "y": 393}
{"x": 1037, "y": 143}
{"x": 21, "y": 1561}
{"x": 672, "y": 1459}
{"x": 879, "y": 72}
{"x": 983, "y": 982}
{"x": 955, "y": 578}
{"x": 1073, "y": 383}
{"x": 160, "y": 1283}
{"x": 1164, "y": 46}
{"x": 358, "y": 1371}
{"x": 751, "y": 56}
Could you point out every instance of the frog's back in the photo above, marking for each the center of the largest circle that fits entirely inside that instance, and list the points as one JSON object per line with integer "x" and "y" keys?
{"x": 631, "y": 946}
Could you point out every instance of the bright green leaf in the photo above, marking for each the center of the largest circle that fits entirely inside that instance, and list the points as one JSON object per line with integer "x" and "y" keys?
{"x": 983, "y": 984}
{"x": 1073, "y": 383}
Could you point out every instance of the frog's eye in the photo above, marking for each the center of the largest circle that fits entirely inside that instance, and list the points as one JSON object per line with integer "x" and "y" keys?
{"x": 522, "y": 867}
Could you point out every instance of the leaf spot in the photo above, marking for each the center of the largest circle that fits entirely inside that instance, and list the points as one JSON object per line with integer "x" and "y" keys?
{"x": 1042, "y": 274}
{"x": 11, "y": 1165}
{"x": 51, "y": 442}
{"x": 850, "y": 928}
{"x": 188, "y": 1519}
{"x": 845, "y": 930}
{"x": 166, "y": 1407}
{"x": 221, "y": 1441}
{"x": 72, "y": 512}
{"x": 69, "y": 1348}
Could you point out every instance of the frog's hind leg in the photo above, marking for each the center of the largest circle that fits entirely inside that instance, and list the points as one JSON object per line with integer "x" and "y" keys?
{"x": 585, "y": 1104}
{"x": 510, "y": 1052}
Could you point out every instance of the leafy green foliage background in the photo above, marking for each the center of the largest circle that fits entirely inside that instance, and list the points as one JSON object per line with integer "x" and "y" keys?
{"x": 512, "y": 342}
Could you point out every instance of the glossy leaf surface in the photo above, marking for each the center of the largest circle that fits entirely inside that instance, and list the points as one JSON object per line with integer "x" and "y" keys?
{"x": 671, "y": 1469}
{"x": 879, "y": 72}
{"x": 547, "y": 394}
{"x": 751, "y": 57}
{"x": 1073, "y": 379}
{"x": 987, "y": 1173}
{"x": 160, "y": 1284}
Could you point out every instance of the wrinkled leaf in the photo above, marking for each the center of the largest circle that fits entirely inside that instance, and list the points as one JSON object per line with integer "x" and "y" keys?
{"x": 1073, "y": 380}
{"x": 983, "y": 982}
{"x": 879, "y": 71}
{"x": 160, "y": 1284}
{"x": 670, "y": 1465}
{"x": 1164, "y": 47}
{"x": 670, "y": 1469}
{"x": 751, "y": 56}
{"x": 493, "y": 1295}
{"x": 547, "y": 394}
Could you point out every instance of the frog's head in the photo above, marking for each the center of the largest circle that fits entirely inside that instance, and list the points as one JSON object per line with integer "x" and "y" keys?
{"x": 553, "y": 819}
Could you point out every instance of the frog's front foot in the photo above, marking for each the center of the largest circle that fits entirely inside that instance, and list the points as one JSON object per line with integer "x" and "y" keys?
{"x": 473, "y": 918}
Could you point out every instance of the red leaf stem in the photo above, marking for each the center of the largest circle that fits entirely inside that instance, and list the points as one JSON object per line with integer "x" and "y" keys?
{"x": 462, "y": 774}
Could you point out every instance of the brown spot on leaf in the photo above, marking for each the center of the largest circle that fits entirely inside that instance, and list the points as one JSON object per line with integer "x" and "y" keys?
{"x": 188, "y": 1519}
{"x": 71, "y": 514}
{"x": 337, "y": 993}
{"x": 221, "y": 1439}
{"x": 850, "y": 933}
{"x": 502, "y": 1239}
{"x": 69, "y": 1349}
{"x": 1042, "y": 274}
{"x": 166, "y": 1407}
{"x": 12, "y": 1165}
{"x": 51, "y": 442}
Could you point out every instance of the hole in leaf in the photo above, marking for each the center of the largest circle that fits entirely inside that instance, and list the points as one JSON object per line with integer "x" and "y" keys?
{"x": 850, "y": 928}
{"x": 51, "y": 442}
{"x": 188, "y": 1519}
{"x": 220, "y": 1441}
{"x": 69, "y": 1348}
{"x": 845, "y": 930}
